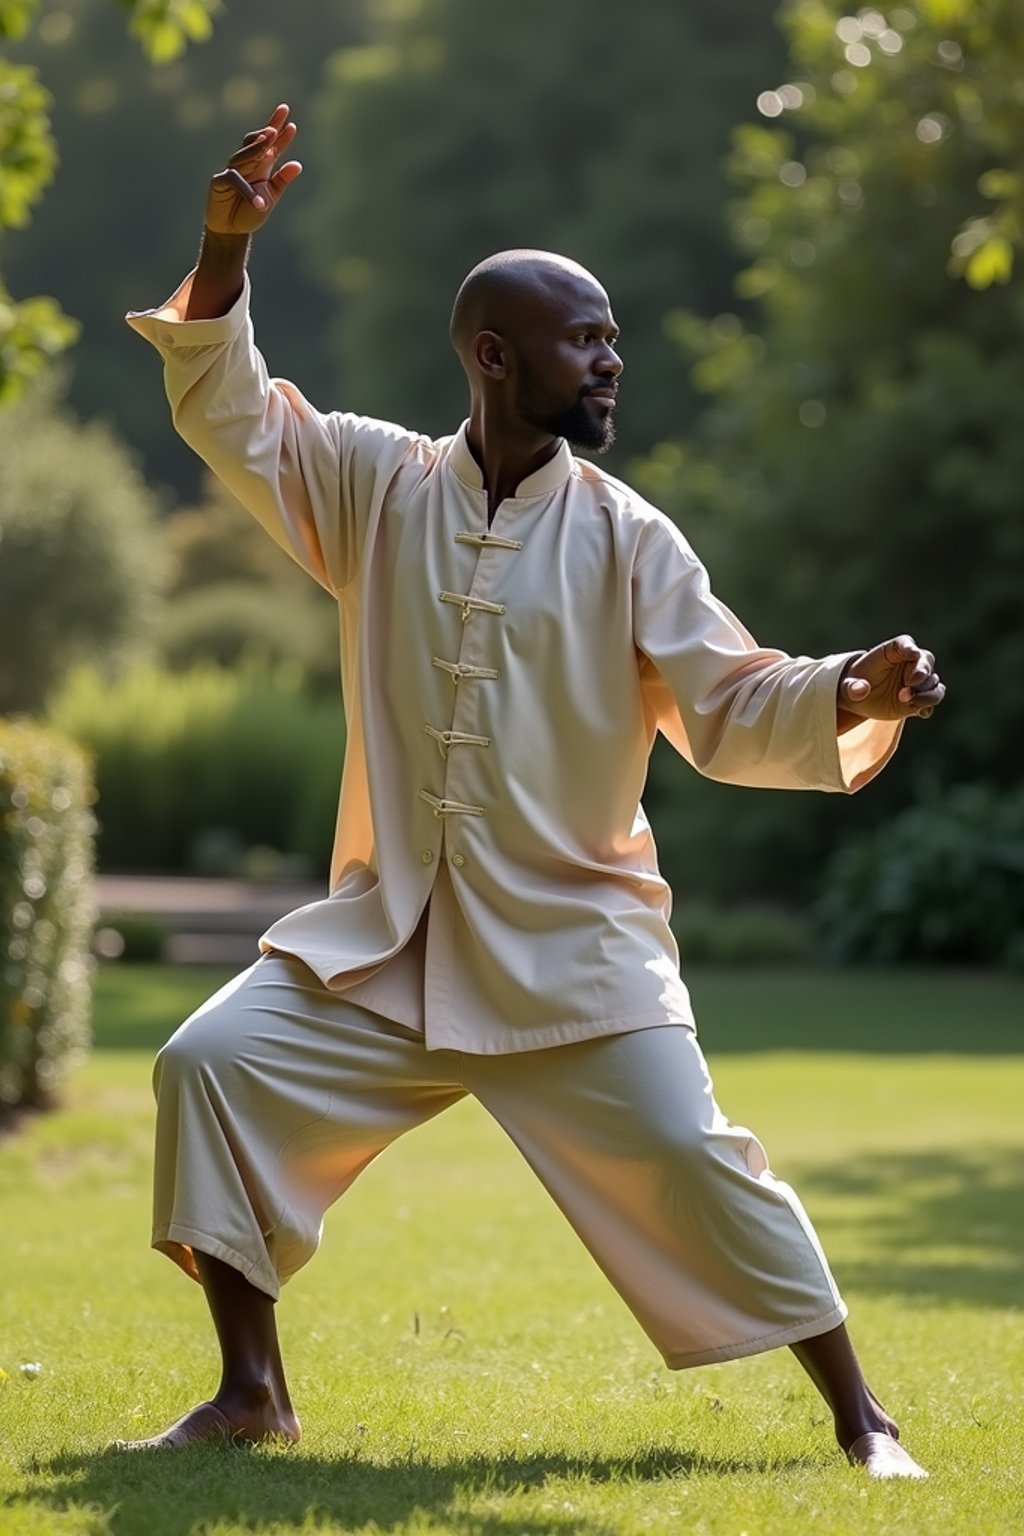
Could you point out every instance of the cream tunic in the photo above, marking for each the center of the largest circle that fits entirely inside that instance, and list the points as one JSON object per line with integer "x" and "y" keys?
{"x": 503, "y": 686}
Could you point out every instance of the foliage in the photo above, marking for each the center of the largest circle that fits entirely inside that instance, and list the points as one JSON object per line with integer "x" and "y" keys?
{"x": 856, "y": 471}
{"x": 234, "y": 622}
{"x": 182, "y": 756}
{"x": 79, "y": 558}
{"x": 586, "y": 127}
{"x": 943, "y": 881}
{"x": 233, "y": 595}
{"x": 166, "y": 27}
{"x": 131, "y": 937}
{"x": 739, "y": 936}
{"x": 158, "y": 131}
{"x": 33, "y": 331}
{"x": 218, "y": 541}
{"x": 46, "y": 836}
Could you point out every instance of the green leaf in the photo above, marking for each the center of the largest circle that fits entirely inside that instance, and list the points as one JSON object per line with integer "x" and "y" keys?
{"x": 15, "y": 16}
{"x": 999, "y": 183}
{"x": 32, "y": 333}
{"x": 165, "y": 27}
{"x": 946, "y": 13}
{"x": 28, "y": 154}
{"x": 992, "y": 262}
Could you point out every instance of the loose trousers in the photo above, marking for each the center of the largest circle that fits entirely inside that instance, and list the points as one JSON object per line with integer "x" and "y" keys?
{"x": 277, "y": 1093}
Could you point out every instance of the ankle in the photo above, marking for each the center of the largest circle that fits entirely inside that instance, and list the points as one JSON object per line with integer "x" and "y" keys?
{"x": 849, "y": 1430}
{"x": 249, "y": 1390}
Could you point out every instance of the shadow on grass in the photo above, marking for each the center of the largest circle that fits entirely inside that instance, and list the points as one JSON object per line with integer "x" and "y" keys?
{"x": 182, "y": 1493}
{"x": 938, "y": 1226}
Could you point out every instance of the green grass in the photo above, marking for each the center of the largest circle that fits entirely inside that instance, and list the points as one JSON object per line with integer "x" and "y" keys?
{"x": 459, "y": 1363}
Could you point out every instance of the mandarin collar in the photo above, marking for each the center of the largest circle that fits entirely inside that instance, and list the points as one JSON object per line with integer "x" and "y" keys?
{"x": 541, "y": 483}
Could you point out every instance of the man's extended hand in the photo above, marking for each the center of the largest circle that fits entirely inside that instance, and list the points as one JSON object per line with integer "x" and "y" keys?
{"x": 891, "y": 682}
{"x": 242, "y": 196}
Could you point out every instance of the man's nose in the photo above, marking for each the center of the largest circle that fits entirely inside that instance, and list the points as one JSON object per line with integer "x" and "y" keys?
{"x": 610, "y": 362}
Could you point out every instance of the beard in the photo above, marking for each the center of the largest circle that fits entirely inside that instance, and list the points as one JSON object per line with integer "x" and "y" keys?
{"x": 580, "y": 427}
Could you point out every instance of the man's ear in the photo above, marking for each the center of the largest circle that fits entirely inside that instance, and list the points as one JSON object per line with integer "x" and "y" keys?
{"x": 489, "y": 353}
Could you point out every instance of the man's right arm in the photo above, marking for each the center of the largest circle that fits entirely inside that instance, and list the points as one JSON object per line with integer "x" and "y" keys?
{"x": 310, "y": 479}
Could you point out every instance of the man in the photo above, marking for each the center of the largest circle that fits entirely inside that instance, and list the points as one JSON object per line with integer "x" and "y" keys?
{"x": 516, "y": 626}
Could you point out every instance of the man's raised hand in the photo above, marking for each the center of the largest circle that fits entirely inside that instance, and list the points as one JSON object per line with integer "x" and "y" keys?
{"x": 891, "y": 682}
{"x": 243, "y": 195}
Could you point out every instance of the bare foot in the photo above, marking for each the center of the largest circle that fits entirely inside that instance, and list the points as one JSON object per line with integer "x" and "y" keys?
{"x": 222, "y": 1422}
{"x": 883, "y": 1457}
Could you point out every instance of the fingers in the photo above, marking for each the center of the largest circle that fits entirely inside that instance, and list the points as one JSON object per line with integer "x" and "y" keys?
{"x": 265, "y": 145}
{"x": 920, "y": 683}
{"x": 287, "y": 173}
{"x": 255, "y": 158}
{"x": 230, "y": 179}
{"x": 854, "y": 689}
{"x": 901, "y": 648}
{"x": 922, "y": 679}
{"x": 926, "y": 699}
{"x": 904, "y": 682}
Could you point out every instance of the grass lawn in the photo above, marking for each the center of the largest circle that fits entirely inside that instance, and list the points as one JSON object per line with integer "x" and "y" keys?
{"x": 459, "y": 1363}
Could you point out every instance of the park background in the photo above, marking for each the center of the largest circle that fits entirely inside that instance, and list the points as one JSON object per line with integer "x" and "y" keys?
{"x": 809, "y": 220}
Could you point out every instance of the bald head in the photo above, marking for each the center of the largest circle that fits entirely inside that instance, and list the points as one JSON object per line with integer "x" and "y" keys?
{"x": 514, "y": 288}
{"x": 535, "y": 335}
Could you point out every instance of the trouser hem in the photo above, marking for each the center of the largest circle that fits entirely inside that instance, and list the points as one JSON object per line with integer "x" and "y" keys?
{"x": 174, "y": 1241}
{"x": 758, "y": 1346}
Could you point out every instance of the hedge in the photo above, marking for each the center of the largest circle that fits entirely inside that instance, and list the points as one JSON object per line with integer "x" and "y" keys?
{"x": 46, "y": 910}
{"x": 943, "y": 881}
{"x": 197, "y": 769}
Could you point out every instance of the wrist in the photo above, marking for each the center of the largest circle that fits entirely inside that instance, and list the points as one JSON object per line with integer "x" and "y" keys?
{"x": 219, "y": 276}
{"x": 229, "y": 247}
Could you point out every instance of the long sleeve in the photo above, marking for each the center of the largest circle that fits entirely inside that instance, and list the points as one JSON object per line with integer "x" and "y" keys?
{"x": 737, "y": 711}
{"x": 312, "y": 480}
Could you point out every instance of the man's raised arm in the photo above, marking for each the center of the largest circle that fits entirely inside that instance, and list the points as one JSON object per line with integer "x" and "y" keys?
{"x": 312, "y": 479}
{"x": 240, "y": 201}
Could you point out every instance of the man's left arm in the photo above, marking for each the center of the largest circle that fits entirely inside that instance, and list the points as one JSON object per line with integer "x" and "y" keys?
{"x": 746, "y": 714}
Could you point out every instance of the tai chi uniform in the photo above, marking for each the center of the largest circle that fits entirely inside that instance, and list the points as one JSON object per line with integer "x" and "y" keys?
{"x": 496, "y": 922}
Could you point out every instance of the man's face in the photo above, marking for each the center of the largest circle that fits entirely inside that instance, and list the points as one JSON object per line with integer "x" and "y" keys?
{"x": 567, "y": 370}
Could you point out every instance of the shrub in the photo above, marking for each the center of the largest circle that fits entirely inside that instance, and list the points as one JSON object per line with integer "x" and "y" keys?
{"x": 46, "y": 914}
{"x": 943, "y": 881}
{"x": 190, "y": 765}
{"x": 745, "y": 935}
{"x": 130, "y": 936}
{"x": 234, "y": 622}
{"x": 79, "y": 552}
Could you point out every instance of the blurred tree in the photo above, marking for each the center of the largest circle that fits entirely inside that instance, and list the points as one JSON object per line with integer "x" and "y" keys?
{"x": 233, "y": 595}
{"x": 858, "y": 469}
{"x": 138, "y": 143}
{"x": 218, "y": 541}
{"x": 34, "y": 330}
{"x": 589, "y": 127}
{"x": 80, "y": 558}
{"x": 235, "y": 623}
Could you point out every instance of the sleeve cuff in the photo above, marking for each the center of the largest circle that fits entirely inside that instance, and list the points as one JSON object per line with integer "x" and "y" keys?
{"x": 166, "y": 327}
